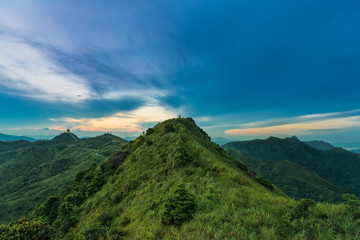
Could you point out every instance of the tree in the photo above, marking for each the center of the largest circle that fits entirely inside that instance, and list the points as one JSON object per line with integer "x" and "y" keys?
{"x": 179, "y": 206}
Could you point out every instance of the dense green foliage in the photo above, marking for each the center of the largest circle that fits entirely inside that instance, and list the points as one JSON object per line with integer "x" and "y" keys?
{"x": 337, "y": 166}
{"x": 9, "y": 149}
{"x": 33, "y": 171}
{"x": 26, "y": 229}
{"x": 293, "y": 179}
{"x": 135, "y": 199}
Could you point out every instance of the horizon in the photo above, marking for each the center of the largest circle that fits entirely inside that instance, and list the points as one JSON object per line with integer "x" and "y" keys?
{"x": 243, "y": 70}
{"x": 219, "y": 140}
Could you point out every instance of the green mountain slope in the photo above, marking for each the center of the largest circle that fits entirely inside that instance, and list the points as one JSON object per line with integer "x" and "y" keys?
{"x": 293, "y": 179}
{"x": 33, "y": 171}
{"x": 174, "y": 183}
{"x": 337, "y": 165}
{"x": 10, "y": 149}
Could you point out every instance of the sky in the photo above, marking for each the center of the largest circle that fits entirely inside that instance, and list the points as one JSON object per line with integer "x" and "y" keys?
{"x": 243, "y": 69}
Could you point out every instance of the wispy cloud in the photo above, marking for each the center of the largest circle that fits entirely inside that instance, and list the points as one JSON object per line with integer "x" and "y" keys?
{"x": 301, "y": 125}
{"x": 44, "y": 57}
{"x": 28, "y": 72}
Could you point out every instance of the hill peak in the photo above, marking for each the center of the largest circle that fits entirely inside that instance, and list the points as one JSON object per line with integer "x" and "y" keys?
{"x": 295, "y": 138}
{"x": 65, "y": 137}
{"x": 178, "y": 124}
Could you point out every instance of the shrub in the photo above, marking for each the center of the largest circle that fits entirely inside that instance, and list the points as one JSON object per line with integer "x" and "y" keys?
{"x": 150, "y": 131}
{"x": 179, "y": 206}
{"x": 50, "y": 208}
{"x": 351, "y": 200}
{"x": 301, "y": 209}
{"x": 169, "y": 128}
{"x": 118, "y": 157}
{"x": 105, "y": 219}
{"x": 94, "y": 232}
{"x": 117, "y": 234}
{"x": 353, "y": 205}
{"x": 117, "y": 198}
{"x": 26, "y": 229}
{"x": 265, "y": 183}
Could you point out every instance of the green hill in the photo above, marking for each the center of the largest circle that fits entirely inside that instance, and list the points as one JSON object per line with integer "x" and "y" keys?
{"x": 338, "y": 166}
{"x": 31, "y": 172}
{"x": 66, "y": 137}
{"x": 174, "y": 183}
{"x": 293, "y": 179}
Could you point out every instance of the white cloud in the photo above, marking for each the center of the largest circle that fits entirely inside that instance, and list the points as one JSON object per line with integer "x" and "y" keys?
{"x": 30, "y": 37}
{"x": 30, "y": 73}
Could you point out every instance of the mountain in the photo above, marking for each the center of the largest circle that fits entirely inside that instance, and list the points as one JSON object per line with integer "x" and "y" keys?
{"x": 338, "y": 166}
{"x": 6, "y": 138}
{"x": 31, "y": 172}
{"x": 174, "y": 183}
{"x": 293, "y": 179}
{"x": 320, "y": 145}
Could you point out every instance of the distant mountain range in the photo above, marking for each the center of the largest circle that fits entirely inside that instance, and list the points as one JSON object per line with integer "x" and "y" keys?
{"x": 5, "y": 137}
{"x": 332, "y": 172}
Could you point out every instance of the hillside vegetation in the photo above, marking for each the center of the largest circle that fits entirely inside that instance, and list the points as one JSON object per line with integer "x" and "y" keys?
{"x": 31, "y": 172}
{"x": 293, "y": 179}
{"x": 338, "y": 166}
{"x": 174, "y": 183}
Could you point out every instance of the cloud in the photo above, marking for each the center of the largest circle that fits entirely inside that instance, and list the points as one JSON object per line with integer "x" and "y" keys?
{"x": 301, "y": 125}
{"x": 30, "y": 73}
{"x": 49, "y": 53}
{"x": 130, "y": 121}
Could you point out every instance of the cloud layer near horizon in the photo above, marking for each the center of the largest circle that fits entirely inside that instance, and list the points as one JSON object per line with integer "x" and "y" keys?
{"x": 131, "y": 121}
{"x": 301, "y": 125}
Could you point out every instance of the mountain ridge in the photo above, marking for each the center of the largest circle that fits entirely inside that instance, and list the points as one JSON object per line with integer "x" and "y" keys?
{"x": 6, "y": 138}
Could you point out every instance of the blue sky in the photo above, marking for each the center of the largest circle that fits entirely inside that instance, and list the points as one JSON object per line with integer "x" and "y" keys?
{"x": 241, "y": 69}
